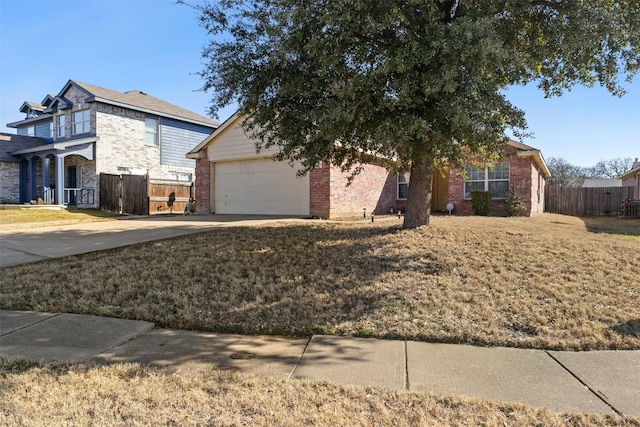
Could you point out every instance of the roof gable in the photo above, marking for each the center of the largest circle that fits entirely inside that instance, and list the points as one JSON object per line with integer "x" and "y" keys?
{"x": 140, "y": 101}
{"x": 194, "y": 153}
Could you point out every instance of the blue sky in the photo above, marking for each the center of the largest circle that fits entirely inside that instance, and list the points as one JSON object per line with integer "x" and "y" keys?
{"x": 155, "y": 46}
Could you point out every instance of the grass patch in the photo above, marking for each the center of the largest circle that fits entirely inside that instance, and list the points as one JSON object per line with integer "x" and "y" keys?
{"x": 81, "y": 394}
{"x": 627, "y": 229}
{"x": 542, "y": 282}
{"x": 40, "y": 217}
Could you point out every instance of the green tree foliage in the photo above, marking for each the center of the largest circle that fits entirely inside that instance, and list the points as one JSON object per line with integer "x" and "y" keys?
{"x": 418, "y": 81}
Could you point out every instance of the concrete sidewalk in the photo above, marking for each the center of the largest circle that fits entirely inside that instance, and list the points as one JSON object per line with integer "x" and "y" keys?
{"x": 606, "y": 382}
{"x": 27, "y": 245}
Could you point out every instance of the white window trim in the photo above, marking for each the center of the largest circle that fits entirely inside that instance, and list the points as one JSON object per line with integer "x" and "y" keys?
{"x": 487, "y": 180}
{"x": 60, "y": 127}
{"x": 84, "y": 123}
{"x": 398, "y": 183}
{"x": 181, "y": 176}
{"x": 155, "y": 133}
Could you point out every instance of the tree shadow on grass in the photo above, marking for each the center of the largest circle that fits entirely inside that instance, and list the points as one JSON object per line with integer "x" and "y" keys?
{"x": 608, "y": 225}
{"x": 628, "y": 329}
{"x": 295, "y": 279}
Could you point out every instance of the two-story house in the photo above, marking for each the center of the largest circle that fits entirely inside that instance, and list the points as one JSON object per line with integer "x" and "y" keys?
{"x": 65, "y": 142}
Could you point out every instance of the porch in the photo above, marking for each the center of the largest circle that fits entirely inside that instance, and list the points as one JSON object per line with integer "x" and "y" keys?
{"x": 58, "y": 174}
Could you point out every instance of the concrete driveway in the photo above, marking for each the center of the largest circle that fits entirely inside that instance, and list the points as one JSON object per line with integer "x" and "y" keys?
{"x": 25, "y": 245}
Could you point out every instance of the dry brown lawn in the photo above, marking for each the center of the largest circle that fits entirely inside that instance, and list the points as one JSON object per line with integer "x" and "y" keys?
{"x": 22, "y": 217}
{"x": 543, "y": 282}
{"x": 53, "y": 394}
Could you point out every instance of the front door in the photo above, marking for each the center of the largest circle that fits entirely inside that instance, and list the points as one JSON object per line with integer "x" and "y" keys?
{"x": 72, "y": 182}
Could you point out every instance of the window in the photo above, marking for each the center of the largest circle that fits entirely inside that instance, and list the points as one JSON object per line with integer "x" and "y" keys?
{"x": 494, "y": 178}
{"x": 403, "y": 186}
{"x": 181, "y": 176}
{"x": 31, "y": 130}
{"x": 81, "y": 122}
{"x": 61, "y": 124}
{"x": 51, "y": 130}
{"x": 151, "y": 131}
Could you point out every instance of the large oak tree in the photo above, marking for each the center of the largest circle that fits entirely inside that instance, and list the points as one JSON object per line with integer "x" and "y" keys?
{"x": 418, "y": 81}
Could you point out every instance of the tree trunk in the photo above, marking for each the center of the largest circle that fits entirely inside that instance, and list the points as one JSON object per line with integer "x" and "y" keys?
{"x": 418, "y": 210}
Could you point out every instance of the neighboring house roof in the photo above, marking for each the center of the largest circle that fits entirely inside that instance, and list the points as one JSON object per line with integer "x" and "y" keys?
{"x": 10, "y": 143}
{"x": 601, "y": 182}
{"x": 138, "y": 100}
{"x": 48, "y": 100}
{"x": 30, "y": 105}
{"x": 133, "y": 99}
{"x": 38, "y": 118}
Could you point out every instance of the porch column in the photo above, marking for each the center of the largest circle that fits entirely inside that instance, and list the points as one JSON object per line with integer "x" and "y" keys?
{"x": 23, "y": 189}
{"x": 46, "y": 179}
{"x": 33, "y": 179}
{"x": 59, "y": 180}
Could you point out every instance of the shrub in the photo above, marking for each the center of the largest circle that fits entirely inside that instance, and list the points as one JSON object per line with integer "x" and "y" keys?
{"x": 515, "y": 204}
{"x": 481, "y": 202}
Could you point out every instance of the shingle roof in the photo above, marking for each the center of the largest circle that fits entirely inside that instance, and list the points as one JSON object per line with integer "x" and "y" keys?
{"x": 519, "y": 145}
{"x": 32, "y": 105}
{"x": 141, "y": 101}
{"x": 10, "y": 143}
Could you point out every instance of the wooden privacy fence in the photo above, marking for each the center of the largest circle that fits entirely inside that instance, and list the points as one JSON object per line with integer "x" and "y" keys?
{"x": 169, "y": 196}
{"x": 139, "y": 195}
{"x": 576, "y": 201}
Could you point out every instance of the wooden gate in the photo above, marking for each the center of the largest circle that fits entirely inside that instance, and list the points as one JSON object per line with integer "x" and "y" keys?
{"x": 125, "y": 194}
{"x": 135, "y": 195}
{"x": 139, "y": 195}
{"x": 110, "y": 189}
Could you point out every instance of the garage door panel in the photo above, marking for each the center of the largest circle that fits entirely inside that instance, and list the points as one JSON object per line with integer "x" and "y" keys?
{"x": 260, "y": 187}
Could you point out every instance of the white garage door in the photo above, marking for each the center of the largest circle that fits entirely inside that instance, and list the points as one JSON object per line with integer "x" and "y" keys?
{"x": 260, "y": 187}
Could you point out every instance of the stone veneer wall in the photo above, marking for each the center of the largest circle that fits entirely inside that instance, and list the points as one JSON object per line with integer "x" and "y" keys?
{"x": 9, "y": 182}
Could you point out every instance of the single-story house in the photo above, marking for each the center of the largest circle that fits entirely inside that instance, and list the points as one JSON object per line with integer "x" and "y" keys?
{"x": 231, "y": 178}
{"x": 632, "y": 179}
{"x": 67, "y": 140}
{"x": 601, "y": 182}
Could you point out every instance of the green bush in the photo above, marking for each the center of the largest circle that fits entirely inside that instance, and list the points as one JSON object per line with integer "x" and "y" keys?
{"x": 481, "y": 202}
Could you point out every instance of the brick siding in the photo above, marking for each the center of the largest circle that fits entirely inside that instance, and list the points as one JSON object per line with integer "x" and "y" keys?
{"x": 320, "y": 191}
{"x": 523, "y": 173}
{"x": 633, "y": 181}
{"x": 203, "y": 183}
{"x": 9, "y": 179}
{"x": 373, "y": 189}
